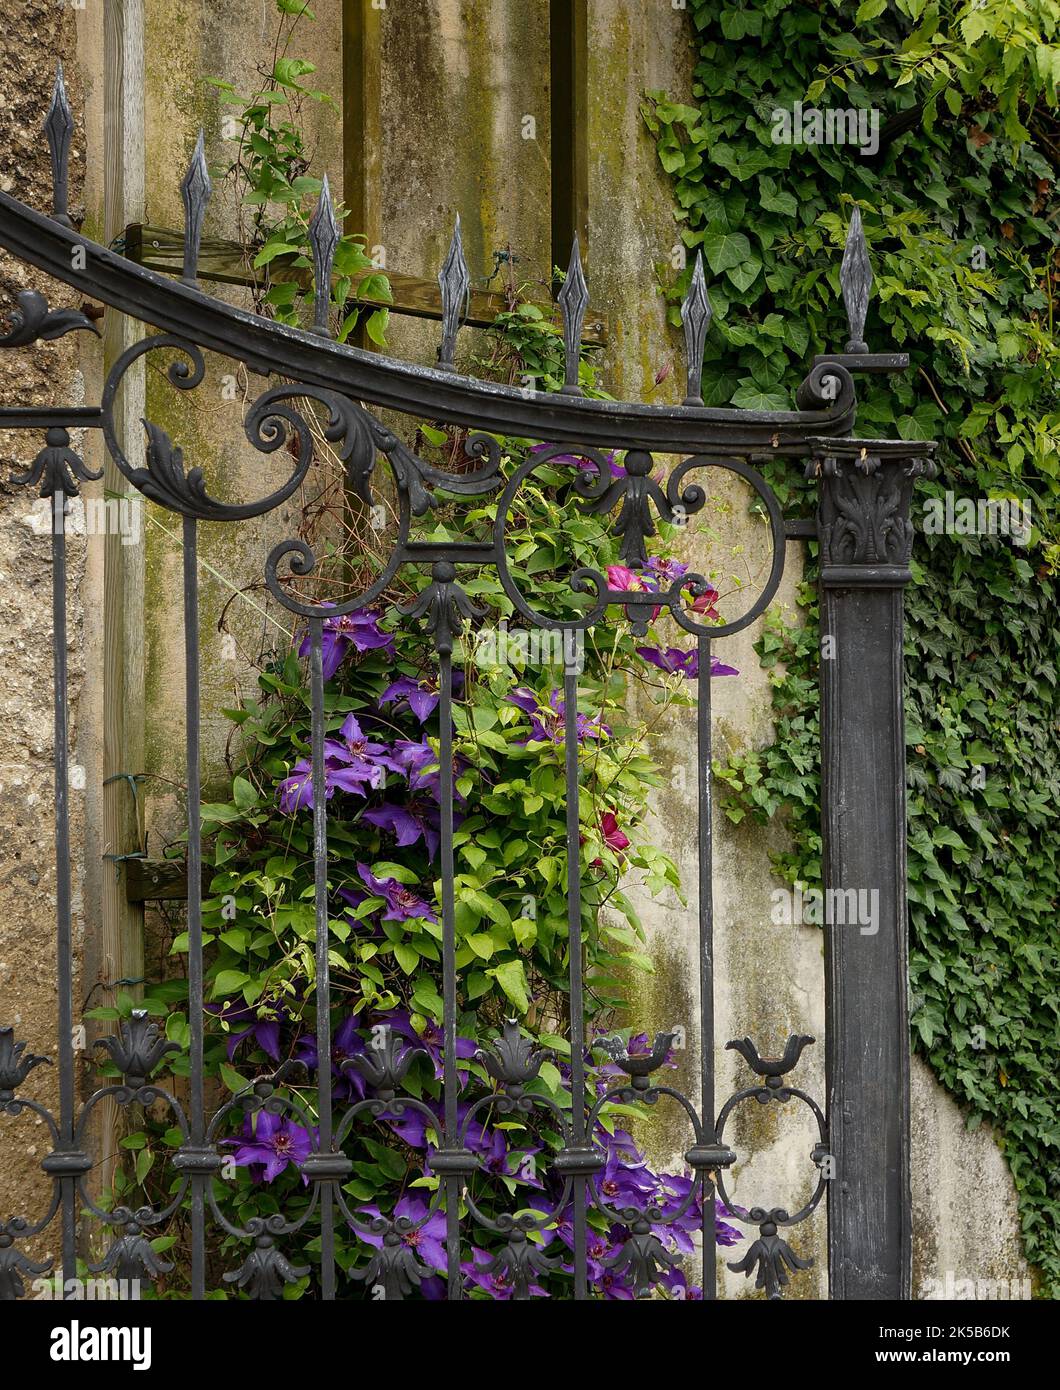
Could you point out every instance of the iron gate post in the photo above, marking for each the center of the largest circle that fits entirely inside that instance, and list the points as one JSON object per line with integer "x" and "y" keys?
{"x": 866, "y": 541}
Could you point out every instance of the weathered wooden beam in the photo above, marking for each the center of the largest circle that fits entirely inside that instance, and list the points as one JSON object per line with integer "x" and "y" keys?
{"x": 157, "y": 880}
{"x": 227, "y": 262}
{"x": 568, "y": 74}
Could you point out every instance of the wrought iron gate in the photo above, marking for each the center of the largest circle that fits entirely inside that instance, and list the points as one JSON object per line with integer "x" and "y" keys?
{"x": 865, "y": 536}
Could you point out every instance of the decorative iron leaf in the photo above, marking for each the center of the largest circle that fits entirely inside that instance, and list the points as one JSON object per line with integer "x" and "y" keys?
{"x": 195, "y": 191}
{"x": 15, "y": 1062}
{"x": 520, "y": 1260}
{"x": 695, "y": 316}
{"x": 513, "y": 1060}
{"x": 57, "y": 467}
{"x": 13, "y": 1265}
{"x": 444, "y": 605}
{"x": 855, "y": 276}
{"x": 454, "y": 281}
{"x": 643, "y": 1258}
{"x": 33, "y": 321}
{"x": 139, "y": 1047}
{"x": 573, "y": 299}
{"x": 769, "y": 1259}
{"x": 324, "y": 235}
{"x": 131, "y": 1257}
{"x": 265, "y": 1272}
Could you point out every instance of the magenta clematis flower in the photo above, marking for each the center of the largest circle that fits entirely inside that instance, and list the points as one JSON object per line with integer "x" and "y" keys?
{"x": 271, "y": 1143}
{"x": 401, "y": 902}
{"x": 427, "y": 1240}
{"x": 585, "y": 464}
{"x": 629, "y": 581}
{"x": 705, "y": 604}
{"x": 674, "y": 661}
{"x": 359, "y": 630}
{"x": 547, "y": 721}
{"x": 611, "y": 833}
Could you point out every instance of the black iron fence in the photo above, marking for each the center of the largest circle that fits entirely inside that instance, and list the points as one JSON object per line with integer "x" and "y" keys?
{"x": 862, "y": 1135}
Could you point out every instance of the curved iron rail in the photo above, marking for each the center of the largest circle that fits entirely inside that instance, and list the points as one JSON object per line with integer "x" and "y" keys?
{"x": 271, "y": 348}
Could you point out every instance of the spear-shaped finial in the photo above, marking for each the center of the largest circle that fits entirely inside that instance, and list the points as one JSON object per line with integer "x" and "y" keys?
{"x": 454, "y": 282}
{"x": 58, "y": 127}
{"x": 324, "y": 235}
{"x": 195, "y": 191}
{"x": 695, "y": 316}
{"x": 573, "y": 299}
{"x": 855, "y": 277}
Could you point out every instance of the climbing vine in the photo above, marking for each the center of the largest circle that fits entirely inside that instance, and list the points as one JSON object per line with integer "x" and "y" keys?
{"x": 949, "y": 119}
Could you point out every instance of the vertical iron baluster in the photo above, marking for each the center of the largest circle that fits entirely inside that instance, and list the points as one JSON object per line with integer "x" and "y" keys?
{"x": 64, "y": 943}
{"x": 574, "y": 942}
{"x": 451, "y": 1080}
{"x": 323, "y": 973}
{"x": 197, "y": 1117}
{"x": 705, "y": 857}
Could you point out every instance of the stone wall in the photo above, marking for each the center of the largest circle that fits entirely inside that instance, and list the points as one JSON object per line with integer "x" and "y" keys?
{"x": 453, "y": 82}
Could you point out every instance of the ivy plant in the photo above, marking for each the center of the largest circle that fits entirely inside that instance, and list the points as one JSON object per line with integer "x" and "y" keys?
{"x": 959, "y": 208}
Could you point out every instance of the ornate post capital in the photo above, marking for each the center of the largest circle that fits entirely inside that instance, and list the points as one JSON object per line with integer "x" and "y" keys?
{"x": 863, "y": 520}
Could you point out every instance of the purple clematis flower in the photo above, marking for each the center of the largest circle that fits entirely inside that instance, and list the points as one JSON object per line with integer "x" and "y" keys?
{"x": 422, "y": 695}
{"x": 547, "y": 722}
{"x": 496, "y": 1282}
{"x": 667, "y": 570}
{"x": 346, "y": 1043}
{"x": 427, "y": 1240}
{"x": 418, "y": 819}
{"x": 271, "y": 1143}
{"x": 431, "y": 1040}
{"x": 354, "y": 750}
{"x": 674, "y": 661}
{"x": 586, "y": 465}
{"x": 401, "y": 902}
{"x": 264, "y": 1031}
{"x": 680, "y": 1289}
{"x": 359, "y": 630}
{"x": 352, "y": 763}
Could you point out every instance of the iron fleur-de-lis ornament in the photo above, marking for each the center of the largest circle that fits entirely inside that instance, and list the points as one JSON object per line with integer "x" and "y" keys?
{"x": 855, "y": 277}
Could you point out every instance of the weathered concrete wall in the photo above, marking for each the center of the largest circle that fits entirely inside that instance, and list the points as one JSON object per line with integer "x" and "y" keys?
{"x": 458, "y": 80}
